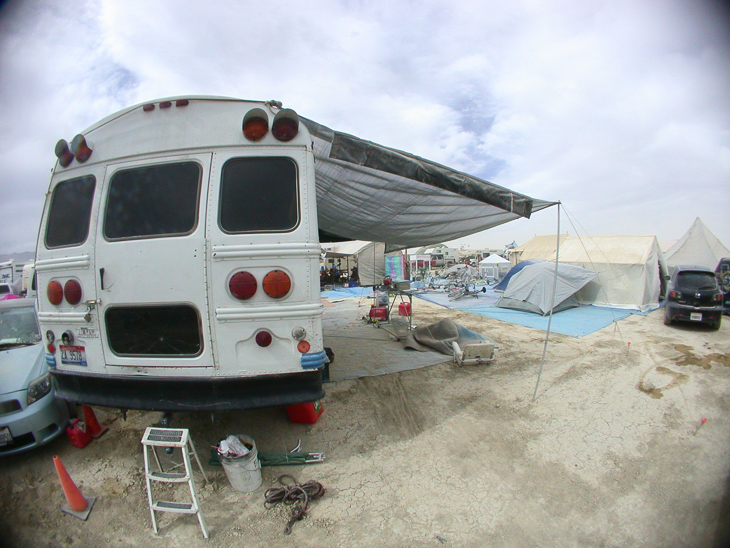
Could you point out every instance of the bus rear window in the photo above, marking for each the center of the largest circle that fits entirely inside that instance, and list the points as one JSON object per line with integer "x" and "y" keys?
{"x": 153, "y": 201}
{"x": 70, "y": 212}
{"x": 171, "y": 330}
{"x": 259, "y": 195}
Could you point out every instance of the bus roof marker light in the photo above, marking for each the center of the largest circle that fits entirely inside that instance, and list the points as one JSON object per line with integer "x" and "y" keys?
{"x": 63, "y": 154}
{"x": 81, "y": 148}
{"x": 286, "y": 125}
{"x": 255, "y": 125}
{"x": 149, "y": 107}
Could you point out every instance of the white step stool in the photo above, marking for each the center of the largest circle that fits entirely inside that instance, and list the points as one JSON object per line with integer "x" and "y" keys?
{"x": 155, "y": 437}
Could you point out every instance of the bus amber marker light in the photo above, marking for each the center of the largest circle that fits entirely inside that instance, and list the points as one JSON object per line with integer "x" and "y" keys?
{"x": 277, "y": 284}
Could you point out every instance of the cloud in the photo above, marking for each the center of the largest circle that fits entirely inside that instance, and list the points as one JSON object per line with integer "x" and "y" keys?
{"x": 619, "y": 109}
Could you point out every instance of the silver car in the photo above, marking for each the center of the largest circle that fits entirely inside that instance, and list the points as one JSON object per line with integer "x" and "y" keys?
{"x": 30, "y": 414}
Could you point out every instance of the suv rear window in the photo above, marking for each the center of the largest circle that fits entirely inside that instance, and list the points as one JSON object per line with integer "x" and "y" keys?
{"x": 70, "y": 212}
{"x": 693, "y": 281}
{"x": 150, "y": 201}
{"x": 259, "y": 195}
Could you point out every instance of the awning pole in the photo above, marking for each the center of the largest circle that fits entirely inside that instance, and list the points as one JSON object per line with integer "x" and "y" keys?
{"x": 552, "y": 305}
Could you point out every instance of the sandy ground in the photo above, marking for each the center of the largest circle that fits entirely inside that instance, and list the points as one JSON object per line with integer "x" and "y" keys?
{"x": 608, "y": 454}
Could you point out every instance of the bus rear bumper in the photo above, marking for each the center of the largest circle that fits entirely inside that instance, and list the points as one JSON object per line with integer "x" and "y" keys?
{"x": 192, "y": 394}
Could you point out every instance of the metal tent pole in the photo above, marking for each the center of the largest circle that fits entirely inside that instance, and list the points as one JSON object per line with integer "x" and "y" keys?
{"x": 552, "y": 305}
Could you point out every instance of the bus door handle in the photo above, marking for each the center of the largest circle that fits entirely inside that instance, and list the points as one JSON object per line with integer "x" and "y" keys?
{"x": 101, "y": 278}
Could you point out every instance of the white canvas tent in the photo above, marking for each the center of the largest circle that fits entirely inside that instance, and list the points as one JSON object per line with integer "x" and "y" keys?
{"x": 698, "y": 246}
{"x": 630, "y": 269}
{"x": 494, "y": 267}
{"x": 369, "y": 257}
{"x": 531, "y": 289}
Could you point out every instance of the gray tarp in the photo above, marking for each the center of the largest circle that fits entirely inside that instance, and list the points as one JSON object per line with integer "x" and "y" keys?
{"x": 531, "y": 289}
{"x": 370, "y": 192}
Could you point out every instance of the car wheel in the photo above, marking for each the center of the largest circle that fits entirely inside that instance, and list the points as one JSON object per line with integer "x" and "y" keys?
{"x": 716, "y": 325}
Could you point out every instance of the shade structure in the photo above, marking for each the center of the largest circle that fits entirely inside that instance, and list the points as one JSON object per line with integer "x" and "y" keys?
{"x": 367, "y": 191}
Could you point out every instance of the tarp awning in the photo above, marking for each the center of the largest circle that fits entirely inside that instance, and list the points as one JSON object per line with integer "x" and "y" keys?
{"x": 367, "y": 191}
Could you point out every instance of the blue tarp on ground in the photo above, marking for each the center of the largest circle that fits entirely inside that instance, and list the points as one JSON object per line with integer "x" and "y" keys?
{"x": 347, "y": 292}
{"x": 574, "y": 322}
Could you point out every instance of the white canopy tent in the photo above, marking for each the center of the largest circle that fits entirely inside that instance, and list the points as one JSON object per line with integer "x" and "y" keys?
{"x": 494, "y": 267}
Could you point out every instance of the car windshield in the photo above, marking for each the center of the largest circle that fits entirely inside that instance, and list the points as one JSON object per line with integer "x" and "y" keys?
{"x": 18, "y": 326}
{"x": 694, "y": 281}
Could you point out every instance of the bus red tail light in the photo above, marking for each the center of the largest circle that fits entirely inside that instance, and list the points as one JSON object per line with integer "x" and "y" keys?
{"x": 303, "y": 347}
{"x": 277, "y": 284}
{"x": 242, "y": 285}
{"x": 72, "y": 292}
{"x": 286, "y": 125}
{"x": 263, "y": 338}
{"x": 63, "y": 153}
{"x": 54, "y": 292}
{"x": 81, "y": 148}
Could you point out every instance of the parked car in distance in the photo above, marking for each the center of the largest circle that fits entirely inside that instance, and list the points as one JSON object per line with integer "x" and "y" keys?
{"x": 722, "y": 271}
{"x": 30, "y": 414}
{"x": 693, "y": 295}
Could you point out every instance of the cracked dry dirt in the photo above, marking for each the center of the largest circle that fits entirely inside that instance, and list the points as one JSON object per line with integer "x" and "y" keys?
{"x": 609, "y": 454}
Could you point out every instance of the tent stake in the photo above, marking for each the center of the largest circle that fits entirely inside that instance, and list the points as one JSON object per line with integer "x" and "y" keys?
{"x": 552, "y": 305}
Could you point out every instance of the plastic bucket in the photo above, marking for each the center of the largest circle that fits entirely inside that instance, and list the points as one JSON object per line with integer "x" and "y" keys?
{"x": 244, "y": 472}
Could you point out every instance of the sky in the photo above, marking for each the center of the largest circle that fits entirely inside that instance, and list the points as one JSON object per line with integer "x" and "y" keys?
{"x": 618, "y": 109}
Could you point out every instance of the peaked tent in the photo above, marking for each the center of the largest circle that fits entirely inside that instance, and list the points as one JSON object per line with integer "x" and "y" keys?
{"x": 501, "y": 286}
{"x": 367, "y": 191}
{"x": 531, "y": 289}
{"x": 494, "y": 267}
{"x": 698, "y": 246}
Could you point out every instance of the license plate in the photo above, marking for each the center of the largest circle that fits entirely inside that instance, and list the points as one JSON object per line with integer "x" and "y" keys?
{"x": 6, "y": 437}
{"x": 73, "y": 355}
{"x": 695, "y": 316}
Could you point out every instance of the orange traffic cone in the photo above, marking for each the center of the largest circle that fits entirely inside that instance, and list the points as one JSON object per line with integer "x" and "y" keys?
{"x": 78, "y": 505}
{"x": 92, "y": 425}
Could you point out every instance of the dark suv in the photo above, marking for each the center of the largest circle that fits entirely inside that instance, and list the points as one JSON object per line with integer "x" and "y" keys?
{"x": 693, "y": 295}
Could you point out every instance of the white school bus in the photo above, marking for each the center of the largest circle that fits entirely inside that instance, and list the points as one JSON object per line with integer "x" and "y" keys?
{"x": 178, "y": 259}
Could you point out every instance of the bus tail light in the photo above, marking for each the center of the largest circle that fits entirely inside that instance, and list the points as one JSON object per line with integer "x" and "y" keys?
{"x": 54, "y": 292}
{"x": 63, "y": 153}
{"x": 72, "y": 292}
{"x": 81, "y": 148}
{"x": 263, "y": 338}
{"x": 255, "y": 125}
{"x": 242, "y": 285}
{"x": 277, "y": 284}
{"x": 303, "y": 347}
{"x": 286, "y": 125}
